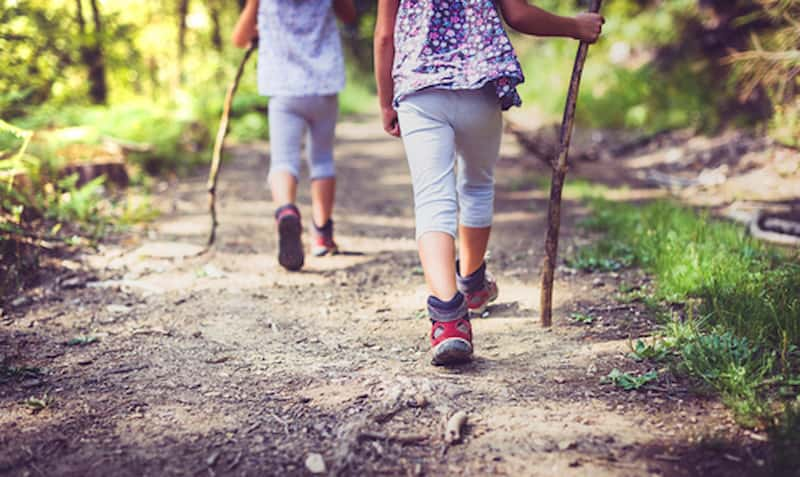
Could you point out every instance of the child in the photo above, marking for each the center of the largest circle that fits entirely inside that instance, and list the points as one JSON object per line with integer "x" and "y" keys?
{"x": 301, "y": 69}
{"x": 445, "y": 70}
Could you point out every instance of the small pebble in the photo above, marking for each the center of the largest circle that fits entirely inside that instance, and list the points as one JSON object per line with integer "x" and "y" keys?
{"x": 315, "y": 463}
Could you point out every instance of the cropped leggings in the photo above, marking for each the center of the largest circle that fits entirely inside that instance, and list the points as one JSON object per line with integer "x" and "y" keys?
{"x": 293, "y": 117}
{"x": 442, "y": 129}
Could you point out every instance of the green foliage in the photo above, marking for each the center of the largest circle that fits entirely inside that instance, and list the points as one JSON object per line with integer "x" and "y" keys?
{"x": 771, "y": 63}
{"x": 582, "y": 318}
{"x": 744, "y": 345}
{"x": 37, "y": 404}
{"x": 629, "y": 381}
{"x": 252, "y": 126}
{"x": 17, "y": 372}
{"x": 741, "y": 283}
{"x": 82, "y": 340}
{"x": 733, "y": 367}
{"x": 656, "y": 350}
{"x": 655, "y": 68}
{"x": 602, "y": 256}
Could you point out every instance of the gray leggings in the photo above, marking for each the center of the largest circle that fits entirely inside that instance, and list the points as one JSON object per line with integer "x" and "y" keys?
{"x": 441, "y": 129}
{"x": 289, "y": 119}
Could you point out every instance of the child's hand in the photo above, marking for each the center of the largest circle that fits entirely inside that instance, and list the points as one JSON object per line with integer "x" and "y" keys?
{"x": 588, "y": 26}
{"x": 390, "y": 124}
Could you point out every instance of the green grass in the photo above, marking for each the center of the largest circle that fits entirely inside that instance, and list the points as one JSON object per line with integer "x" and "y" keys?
{"x": 602, "y": 256}
{"x": 742, "y": 285}
{"x": 82, "y": 340}
{"x": 582, "y": 318}
{"x": 18, "y": 372}
{"x": 656, "y": 350}
{"x": 177, "y": 133}
{"x": 730, "y": 305}
{"x": 629, "y": 381}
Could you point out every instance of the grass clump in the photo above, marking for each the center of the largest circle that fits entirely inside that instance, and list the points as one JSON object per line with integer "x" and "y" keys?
{"x": 629, "y": 381}
{"x": 735, "y": 324}
{"x": 582, "y": 318}
{"x": 603, "y": 256}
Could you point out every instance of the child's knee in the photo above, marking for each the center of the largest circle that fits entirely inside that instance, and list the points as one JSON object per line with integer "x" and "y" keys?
{"x": 436, "y": 215}
{"x": 322, "y": 168}
{"x": 287, "y": 167}
{"x": 476, "y": 206}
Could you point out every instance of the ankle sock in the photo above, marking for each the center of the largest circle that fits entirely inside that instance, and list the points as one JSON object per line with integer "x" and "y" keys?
{"x": 326, "y": 230}
{"x": 450, "y": 310}
{"x": 286, "y": 208}
{"x": 472, "y": 282}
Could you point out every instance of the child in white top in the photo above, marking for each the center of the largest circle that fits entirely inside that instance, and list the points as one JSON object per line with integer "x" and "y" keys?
{"x": 301, "y": 69}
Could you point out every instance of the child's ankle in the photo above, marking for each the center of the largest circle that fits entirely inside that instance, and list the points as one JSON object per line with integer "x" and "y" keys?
{"x": 324, "y": 230}
{"x": 453, "y": 309}
{"x": 286, "y": 209}
{"x": 471, "y": 282}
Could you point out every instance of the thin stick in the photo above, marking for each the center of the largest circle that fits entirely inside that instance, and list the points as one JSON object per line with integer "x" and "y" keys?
{"x": 557, "y": 183}
{"x": 213, "y": 173}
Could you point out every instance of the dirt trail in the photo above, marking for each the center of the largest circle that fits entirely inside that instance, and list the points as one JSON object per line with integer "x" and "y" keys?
{"x": 225, "y": 364}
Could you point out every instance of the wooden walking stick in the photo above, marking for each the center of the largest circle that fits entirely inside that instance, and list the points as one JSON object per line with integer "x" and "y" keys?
{"x": 216, "y": 158}
{"x": 557, "y": 182}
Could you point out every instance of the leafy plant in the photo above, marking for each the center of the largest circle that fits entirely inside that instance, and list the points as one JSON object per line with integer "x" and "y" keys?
{"x": 82, "y": 340}
{"x": 656, "y": 350}
{"x": 628, "y": 381}
{"x": 729, "y": 305}
{"x": 603, "y": 256}
{"x": 582, "y": 318}
{"x": 9, "y": 372}
{"x": 38, "y": 404}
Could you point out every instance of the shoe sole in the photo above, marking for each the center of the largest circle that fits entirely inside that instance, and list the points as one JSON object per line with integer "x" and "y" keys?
{"x": 290, "y": 248}
{"x": 452, "y": 351}
{"x": 321, "y": 252}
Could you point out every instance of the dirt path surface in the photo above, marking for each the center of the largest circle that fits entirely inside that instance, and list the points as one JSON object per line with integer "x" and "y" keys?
{"x": 225, "y": 364}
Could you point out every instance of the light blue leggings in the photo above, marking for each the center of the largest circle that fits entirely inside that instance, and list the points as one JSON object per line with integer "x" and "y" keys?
{"x": 289, "y": 119}
{"x": 442, "y": 128}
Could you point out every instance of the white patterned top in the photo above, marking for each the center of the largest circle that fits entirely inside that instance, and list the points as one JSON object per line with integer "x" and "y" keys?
{"x": 299, "y": 49}
{"x": 454, "y": 44}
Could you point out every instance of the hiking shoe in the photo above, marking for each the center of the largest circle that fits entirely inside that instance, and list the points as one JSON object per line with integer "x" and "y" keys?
{"x": 479, "y": 289}
{"x": 451, "y": 332}
{"x": 290, "y": 247}
{"x": 323, "y": 240}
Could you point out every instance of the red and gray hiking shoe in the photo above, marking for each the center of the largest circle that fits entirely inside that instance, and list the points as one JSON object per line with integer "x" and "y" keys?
{"x": 290, "y": 247}
{"x": 451, "y": 333}
{"x": 479, "y": 289}
{"x": 323, "y": 240}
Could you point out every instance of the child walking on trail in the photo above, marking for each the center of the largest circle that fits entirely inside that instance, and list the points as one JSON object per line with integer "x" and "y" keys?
{"x": 301, "y": 69}
{"x": 445, "y": 70}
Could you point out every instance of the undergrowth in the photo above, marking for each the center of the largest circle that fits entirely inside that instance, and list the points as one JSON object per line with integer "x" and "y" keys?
{"x": 729, "y": 305}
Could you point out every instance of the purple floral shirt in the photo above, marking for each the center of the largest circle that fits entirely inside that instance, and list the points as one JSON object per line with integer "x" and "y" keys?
{"x": 453, "y": 44}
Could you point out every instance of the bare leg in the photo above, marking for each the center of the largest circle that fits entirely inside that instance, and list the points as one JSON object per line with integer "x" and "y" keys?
{"x": 284, "y": 188}
{"x": 437, "y": 253}
{"x": 323, "y": 193}
{"x": 472, "y": 245}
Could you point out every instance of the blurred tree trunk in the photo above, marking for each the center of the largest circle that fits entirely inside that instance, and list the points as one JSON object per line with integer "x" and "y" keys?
{"x": 216, "y": 29}
{"x": 183, "y": 11}
{"x": 92, "y": 53}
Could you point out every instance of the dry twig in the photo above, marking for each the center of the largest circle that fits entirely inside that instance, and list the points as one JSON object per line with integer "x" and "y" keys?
{"x": 452, "y": 429}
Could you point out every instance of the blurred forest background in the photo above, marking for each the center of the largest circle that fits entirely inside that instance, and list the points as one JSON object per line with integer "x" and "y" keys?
{"x": 97, "y": 96}
{"x": 98, "y": 83}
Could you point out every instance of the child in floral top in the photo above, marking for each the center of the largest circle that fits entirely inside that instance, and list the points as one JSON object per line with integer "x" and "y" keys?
{"x": 301, "y": 69}
{"x": 445, "y": 71}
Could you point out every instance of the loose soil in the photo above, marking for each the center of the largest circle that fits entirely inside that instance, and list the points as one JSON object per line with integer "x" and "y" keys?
{"x": 225, "y": 364}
